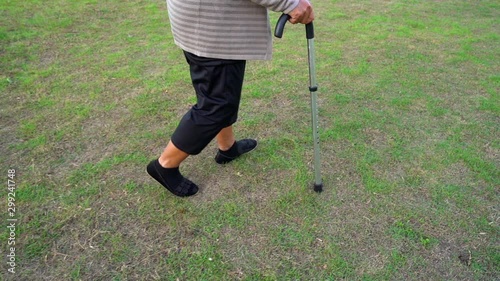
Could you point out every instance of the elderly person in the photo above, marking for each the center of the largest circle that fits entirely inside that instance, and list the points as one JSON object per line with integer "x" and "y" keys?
{"x": 217, "y": 37}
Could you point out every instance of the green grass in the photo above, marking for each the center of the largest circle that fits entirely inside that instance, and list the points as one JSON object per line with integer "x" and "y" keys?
{"x": 409, "y": 107}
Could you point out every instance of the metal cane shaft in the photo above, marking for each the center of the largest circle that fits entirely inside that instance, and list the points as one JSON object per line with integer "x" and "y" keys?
{"x": 313, "y": 87}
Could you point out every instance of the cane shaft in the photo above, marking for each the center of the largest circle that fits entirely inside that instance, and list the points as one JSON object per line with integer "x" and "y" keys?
{"x": 313, "y": 87}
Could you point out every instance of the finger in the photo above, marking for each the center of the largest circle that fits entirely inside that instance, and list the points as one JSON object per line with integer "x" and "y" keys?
{"x": 305, "y": 18}
{"x": 294, "y": 20}
{"x": 310, "y": 18}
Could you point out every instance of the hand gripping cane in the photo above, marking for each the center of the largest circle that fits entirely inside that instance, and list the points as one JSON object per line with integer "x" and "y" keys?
{"x": 313, "y": 87}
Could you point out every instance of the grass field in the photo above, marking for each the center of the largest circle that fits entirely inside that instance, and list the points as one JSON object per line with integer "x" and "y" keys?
{"x": 409, "y": 121}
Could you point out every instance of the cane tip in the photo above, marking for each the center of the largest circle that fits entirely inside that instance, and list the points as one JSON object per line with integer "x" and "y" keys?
{"x": 318, "y": 187}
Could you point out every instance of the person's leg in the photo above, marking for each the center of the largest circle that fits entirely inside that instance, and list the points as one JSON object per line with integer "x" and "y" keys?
{"x": 225, "y": 138}
{"x": 217, "y": 84}
{"x": 172, "y": 156}
{"x": 195, "y": 130}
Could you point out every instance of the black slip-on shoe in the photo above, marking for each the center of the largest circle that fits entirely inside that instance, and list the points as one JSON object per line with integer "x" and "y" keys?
{"x": 184, "y": 189}
{"x": 243, "y": 146}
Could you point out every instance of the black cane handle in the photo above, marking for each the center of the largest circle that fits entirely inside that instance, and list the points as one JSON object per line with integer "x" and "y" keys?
{"x": 280, "y": 27}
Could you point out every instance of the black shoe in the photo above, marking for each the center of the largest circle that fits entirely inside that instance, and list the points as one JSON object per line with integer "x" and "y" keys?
{"x": 240, "y": 147}
{"x": 181, "y": 186}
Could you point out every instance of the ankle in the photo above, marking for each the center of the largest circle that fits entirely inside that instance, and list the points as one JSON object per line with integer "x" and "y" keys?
{"x": 226, "y": 147}
{"x": 167, "y": 163}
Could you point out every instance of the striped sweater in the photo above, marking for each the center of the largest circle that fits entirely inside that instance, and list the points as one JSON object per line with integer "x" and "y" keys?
{"x": 225, "y": 29}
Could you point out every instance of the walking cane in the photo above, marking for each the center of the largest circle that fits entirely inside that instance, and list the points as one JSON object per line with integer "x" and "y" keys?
{"x": 313, "y": 87}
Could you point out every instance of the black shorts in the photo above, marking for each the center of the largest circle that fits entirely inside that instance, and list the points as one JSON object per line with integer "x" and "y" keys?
{"x": 218, "y": 84}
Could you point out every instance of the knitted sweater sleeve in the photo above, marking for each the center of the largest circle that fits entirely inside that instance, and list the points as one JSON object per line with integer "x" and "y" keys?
{"x": 285, "y": 6}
